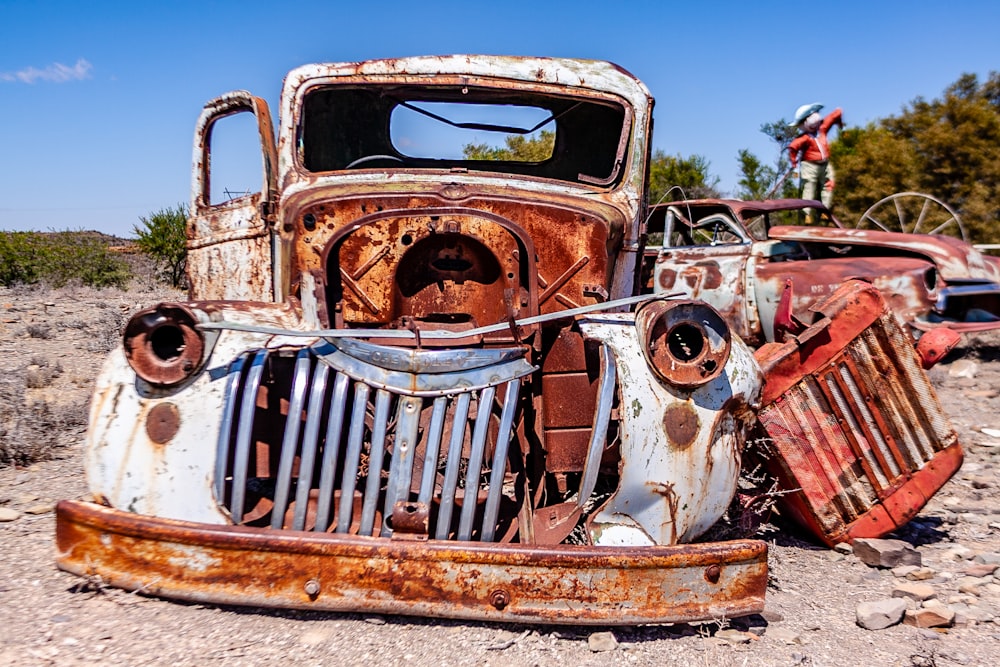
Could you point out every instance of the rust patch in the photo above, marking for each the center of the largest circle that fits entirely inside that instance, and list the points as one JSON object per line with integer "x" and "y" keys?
{"x": 508, "y": 583}
{"x": 667, "y": 279}
{"x": 163, "y": 423}
{"x": 681, "y": 423}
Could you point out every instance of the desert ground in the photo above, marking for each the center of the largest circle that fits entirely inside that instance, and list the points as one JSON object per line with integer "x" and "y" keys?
{"x": 52, "y": 343}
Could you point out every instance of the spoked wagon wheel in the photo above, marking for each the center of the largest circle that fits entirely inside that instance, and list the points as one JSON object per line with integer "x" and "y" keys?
{"x": 913, "y": 213}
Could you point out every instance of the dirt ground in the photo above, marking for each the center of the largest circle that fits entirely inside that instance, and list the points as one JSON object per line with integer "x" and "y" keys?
{"x": 48, "y": 617}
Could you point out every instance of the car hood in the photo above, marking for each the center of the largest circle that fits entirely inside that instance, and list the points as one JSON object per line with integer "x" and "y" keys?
{"x": 955, "y": 259}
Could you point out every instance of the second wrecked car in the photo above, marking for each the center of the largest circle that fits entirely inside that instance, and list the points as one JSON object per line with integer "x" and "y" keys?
{"x": 743, "y": 257}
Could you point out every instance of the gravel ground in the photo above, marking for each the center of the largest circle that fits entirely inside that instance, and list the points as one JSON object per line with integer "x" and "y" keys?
{"x": 49, "y": 617}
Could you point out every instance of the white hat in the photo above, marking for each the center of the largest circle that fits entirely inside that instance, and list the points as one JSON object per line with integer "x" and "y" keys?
{"x": 804, "y": 112}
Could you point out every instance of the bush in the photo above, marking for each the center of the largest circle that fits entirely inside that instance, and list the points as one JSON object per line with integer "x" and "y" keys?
{"x": 58, "y": 258}
{"x": 32, "y": 430}
{"x": 163, "y": 237}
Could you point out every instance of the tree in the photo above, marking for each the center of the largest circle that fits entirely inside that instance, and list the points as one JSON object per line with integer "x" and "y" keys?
{"x": 761, "y": 181}
{"x": 517, "y": 148}
{"x": 163, "y": 237}
{"x": 675, "y": 177}
{"x": 948, "y": 148}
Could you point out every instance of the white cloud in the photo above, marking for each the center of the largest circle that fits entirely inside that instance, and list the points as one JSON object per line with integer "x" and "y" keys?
{"x": 54, "y": 73}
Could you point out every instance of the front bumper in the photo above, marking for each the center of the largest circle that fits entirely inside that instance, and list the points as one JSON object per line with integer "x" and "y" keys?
{"x": 463, "y": 580}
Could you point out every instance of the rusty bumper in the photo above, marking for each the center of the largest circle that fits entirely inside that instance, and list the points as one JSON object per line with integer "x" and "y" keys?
{"x": 344, "y": 573}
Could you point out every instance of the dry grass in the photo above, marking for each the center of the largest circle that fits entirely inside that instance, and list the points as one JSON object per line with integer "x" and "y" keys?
{"x": 32, "y": 430}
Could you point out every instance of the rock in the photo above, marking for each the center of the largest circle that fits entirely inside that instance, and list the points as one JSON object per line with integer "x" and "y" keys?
{"x": 962, "y": 599}
{"x": 42, "y": 508}
{"x": 957, "y": 552}
{"x": 987, "y": 559}
{"x": 600, "y": 642}
{"x": 971, "y": 585}
{"x": 7, "y": 514}
{"x": 772, "y": 616}
{"x": 921, "y": 574}
{"x": 844, "y": 548}
{"x": 913, "y": 591}
{"x": 734, "y": 636}
{"x": 981, "y": 482}
{"x": 971, "y": 612}
{"x": 904, "y": 570}
{"x": 934, "y": 617}
{"x": 316, "y": 636}
{"x": 886, "y": 553}
{"x": 980, "y": 569}
{"x": 784, "y": 635}
{"x": 880, "y": 614}
{"x": 963, "y": 368}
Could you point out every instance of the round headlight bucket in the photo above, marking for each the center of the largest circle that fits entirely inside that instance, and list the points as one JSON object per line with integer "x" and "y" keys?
{"x": 162, "y": 344}
{"x": 685, "y": 342}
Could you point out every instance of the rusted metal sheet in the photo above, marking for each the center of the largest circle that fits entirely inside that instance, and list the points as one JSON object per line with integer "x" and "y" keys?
{"x": 954, "y": 258}
{"x": 565, "y": 585}
{"x": 860, "y": 440}
{"x": 230, "y": 243}
{"x": 903, "y": 282}
{"x": 680, "y": 446}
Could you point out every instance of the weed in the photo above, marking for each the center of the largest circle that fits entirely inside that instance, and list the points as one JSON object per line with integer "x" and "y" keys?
{"x": 42, "y": 331}
{"x": 30, "y": 430}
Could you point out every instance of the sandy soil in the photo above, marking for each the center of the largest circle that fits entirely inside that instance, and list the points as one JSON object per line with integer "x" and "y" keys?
{"x": 48, "y": 617}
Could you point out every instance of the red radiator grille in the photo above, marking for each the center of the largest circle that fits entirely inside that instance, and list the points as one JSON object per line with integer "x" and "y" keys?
{"x": 862, "y": 437}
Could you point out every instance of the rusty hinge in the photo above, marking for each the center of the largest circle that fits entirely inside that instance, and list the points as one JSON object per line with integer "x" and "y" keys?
{"x": 268, "y": 208}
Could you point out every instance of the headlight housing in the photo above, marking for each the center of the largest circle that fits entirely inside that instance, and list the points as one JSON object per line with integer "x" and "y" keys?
{"x": 163, "y": 344}
{"x": 686, "y": 343}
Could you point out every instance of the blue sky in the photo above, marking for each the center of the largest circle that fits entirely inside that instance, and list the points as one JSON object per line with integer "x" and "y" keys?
{"x": 98, "y": 100}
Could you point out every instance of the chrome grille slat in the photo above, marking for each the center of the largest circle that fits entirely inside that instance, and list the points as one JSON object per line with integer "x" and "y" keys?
{"x": 451, "y": 470}
{"x": 376, "y": 453}
{"x": 290, "y": 443}
{"x": 355, "y": 439}
{"x": 310, "y": 443}
{"x": 331, "y": 453}
{"x": 222, "y": 459}
{"x": 404, "y": 449}
{"x": 241, "y": 457}
{"x": 602, "y": 418}
{"x": 499, "y": 466}
{"x": 433, "y": 449}
{"x": 475, "y": 464}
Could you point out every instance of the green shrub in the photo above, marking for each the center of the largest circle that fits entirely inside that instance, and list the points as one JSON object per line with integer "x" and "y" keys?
{"x": 58, "y": 258}
{"x": 163, "y": 237}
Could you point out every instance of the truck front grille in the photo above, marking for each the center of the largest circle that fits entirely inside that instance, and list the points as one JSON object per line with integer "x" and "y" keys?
{"x": 849, "y": 435}
{"x": 350, "y": 437}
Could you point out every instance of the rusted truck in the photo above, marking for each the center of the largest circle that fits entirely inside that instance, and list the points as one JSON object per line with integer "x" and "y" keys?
{"x": 421, "y": 380}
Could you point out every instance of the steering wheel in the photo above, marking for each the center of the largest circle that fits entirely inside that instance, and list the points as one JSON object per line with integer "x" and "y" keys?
{"x": 372, "y": 158}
